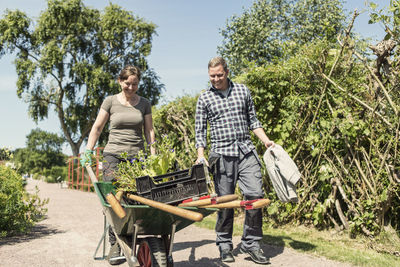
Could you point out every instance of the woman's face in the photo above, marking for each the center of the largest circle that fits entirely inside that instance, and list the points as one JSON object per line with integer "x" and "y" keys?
{"x": 130, "y": 85}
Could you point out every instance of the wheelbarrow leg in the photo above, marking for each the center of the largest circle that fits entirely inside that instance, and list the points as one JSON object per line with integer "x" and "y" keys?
{"x": 133, "y": 259}
{"x": 169, "y": 243}
{"x": 126, "y": 249}
{"x": 102, "y": 240}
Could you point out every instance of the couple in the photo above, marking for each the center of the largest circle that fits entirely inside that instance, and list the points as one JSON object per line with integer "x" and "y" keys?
{"x": 229, "y": 109}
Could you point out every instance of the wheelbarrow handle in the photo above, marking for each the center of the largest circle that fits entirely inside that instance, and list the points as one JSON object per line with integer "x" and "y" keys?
{"x": 184, "y": 213}
{"x": 111, "y": 199}
{"x": 115, "y": 205}
{"x": 92, "y": 176}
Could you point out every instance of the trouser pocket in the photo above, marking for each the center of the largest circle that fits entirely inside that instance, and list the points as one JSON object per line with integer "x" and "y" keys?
{"x": 214, "y": 160}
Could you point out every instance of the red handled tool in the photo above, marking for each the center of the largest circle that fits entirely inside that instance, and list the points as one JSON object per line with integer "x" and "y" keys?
{"x": 199, "y": 198}
{"x": 247, "y": 204}
{"x": 209, "y": 201}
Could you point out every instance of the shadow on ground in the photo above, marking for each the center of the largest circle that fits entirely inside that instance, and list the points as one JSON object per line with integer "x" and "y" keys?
{"x": 192, "y": 261}
{"x": 271, "y": 250}
{"x": 38, "y": 231}
{"x": 279, "y": 241}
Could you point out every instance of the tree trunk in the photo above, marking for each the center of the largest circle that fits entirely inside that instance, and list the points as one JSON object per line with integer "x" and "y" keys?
{"x": 75, "y": 149}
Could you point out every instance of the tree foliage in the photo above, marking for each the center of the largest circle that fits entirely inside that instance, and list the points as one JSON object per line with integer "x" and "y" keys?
{"x": 5, "y": 154}
{"x": 176, "y": 120}
{"x": 271, "y": 28}
{"x": 70, "y": 57}
{"x": 336, "y": 113}
{"x": 43, "y": 151}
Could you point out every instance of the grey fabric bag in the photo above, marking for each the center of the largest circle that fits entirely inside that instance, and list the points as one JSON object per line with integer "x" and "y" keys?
{"x": 283, "y": 173}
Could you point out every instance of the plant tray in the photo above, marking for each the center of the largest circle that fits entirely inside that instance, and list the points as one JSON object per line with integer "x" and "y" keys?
{"x": 177, "y": 186}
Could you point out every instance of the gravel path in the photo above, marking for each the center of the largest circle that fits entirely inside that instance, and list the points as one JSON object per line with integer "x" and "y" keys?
{"x": 72, "y": 229}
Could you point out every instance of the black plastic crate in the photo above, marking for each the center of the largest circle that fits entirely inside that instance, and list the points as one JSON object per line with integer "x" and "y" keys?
{"x": 179, "y": 186}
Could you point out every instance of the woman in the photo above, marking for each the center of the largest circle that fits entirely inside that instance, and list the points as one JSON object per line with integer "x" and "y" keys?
{"x": 129, "y": 116}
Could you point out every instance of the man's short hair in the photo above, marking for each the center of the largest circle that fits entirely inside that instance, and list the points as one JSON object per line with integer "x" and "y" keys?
{"x": 216, "y": 61}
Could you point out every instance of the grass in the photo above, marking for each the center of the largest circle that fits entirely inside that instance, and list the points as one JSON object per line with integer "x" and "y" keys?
{"x": 331, "y": 245}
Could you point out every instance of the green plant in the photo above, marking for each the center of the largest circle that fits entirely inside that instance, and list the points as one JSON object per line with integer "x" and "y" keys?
{"x": 18, "y": 210}
{"x": 144, "y": 164}
{"x": 55, "y": 174}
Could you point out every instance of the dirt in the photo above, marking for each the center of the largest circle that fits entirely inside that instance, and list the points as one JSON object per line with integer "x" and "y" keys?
{"x": 70, "y": 234}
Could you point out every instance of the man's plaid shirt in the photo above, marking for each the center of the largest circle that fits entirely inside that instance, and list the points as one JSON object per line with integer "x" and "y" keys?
{"x": 230, "y": 120}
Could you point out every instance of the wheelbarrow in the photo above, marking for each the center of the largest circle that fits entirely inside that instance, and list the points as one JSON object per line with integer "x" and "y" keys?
{"x": 145, "y": 234}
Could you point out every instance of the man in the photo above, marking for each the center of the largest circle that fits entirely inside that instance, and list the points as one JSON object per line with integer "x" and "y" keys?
{"x": 229, "y": 109}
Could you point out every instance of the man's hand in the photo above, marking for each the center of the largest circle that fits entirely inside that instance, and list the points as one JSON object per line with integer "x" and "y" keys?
{"x": 269, "y": 143}
{"x": 201, "y": 160}
{"x": 259, "y": 132}
{"x": 200, "y": 156}
{"x": 87, "y": 157}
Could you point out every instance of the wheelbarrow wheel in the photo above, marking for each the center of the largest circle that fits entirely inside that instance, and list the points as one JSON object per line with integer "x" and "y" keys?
{"x": 151, "y": 253}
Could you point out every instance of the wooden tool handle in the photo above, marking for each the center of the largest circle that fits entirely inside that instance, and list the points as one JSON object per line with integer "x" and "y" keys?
{"x": 187, "y": 214}
{"x": 209, "y": 201}
{"x": 91, "y": 173}
{"x": 226, "y": 198}
{"x": 196, "y": 203}
{"x": 240, "y": 204}
{"x": 115, "y": 205}
{"x": 261, "y": 203}
{"x": 225, "y": 205}
{"x": 118, "y": 195}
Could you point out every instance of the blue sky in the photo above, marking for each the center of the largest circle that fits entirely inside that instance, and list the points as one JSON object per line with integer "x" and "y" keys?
{"x": 188, "y": 36}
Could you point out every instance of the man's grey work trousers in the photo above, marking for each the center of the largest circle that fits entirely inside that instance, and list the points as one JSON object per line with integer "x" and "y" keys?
{"x": 227, "y": 172}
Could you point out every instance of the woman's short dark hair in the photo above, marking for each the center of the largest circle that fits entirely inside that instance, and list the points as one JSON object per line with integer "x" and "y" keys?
{"x": 128, "y": 71}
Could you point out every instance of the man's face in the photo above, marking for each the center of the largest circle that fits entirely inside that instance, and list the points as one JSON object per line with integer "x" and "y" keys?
{"x": 218, "y": 77}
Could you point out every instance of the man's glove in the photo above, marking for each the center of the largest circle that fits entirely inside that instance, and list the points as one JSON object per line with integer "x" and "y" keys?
{"x": 87, "y": 157}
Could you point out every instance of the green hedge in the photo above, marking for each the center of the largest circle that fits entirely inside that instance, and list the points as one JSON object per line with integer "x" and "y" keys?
{"x": 55, "y": 172}
{"x": 18, "y": 210}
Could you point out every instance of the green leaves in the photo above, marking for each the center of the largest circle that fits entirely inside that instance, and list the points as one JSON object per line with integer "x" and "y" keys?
{"x": 19, "y": 211}
{"x": 42, "y": 152}
{"x": 176, "y": 119}
{"x": 13, "y": 29}
{"x": 333, "y": 132}
{"x": 146, "y": 165}
{"x": 271, "y": 30}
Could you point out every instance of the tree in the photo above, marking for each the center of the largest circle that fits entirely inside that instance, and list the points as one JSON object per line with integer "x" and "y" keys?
{"x": 43, "y": 141}
{"x": 43, "y": 151}
{"x": 69, "y": 60}
{"x": 273, "y": 28}
{"x": 5, "y": 154}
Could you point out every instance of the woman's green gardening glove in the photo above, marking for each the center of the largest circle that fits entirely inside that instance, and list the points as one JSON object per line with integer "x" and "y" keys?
{"x": 87, "y": 157}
